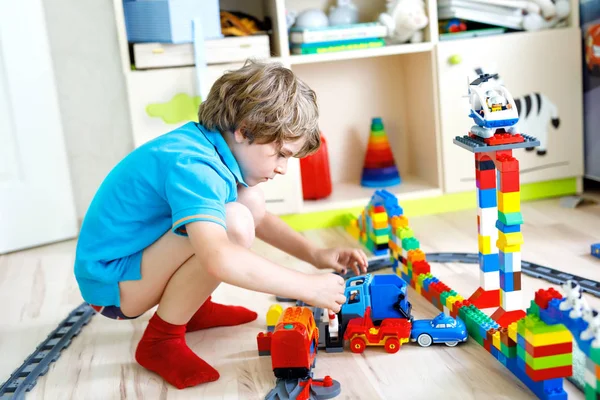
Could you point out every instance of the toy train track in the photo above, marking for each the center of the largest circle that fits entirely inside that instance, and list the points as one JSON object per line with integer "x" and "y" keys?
{"x": 25, "y": 377}
{"x": 528, "y": 268}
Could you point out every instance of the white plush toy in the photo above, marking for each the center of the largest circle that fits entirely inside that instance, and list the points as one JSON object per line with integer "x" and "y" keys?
{"x": 552, "y": 13}
{"x": 405, "y": 20}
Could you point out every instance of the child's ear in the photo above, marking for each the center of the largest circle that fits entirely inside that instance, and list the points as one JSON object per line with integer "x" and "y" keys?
{"x": 240, "y": 134}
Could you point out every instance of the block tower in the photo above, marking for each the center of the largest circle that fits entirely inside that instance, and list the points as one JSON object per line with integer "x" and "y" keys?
{"x": 498, "y": 200}
{"x": 379, "y": 168}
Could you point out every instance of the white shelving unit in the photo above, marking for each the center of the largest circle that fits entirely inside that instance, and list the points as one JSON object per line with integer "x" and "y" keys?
{"x": 412, "y": 87}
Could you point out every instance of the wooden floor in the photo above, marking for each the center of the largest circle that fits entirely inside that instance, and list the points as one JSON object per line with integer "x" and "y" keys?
{"x": 37, "y": 290}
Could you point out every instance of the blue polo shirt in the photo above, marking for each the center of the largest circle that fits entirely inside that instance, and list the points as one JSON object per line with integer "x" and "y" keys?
{"x": 186, "y": 175}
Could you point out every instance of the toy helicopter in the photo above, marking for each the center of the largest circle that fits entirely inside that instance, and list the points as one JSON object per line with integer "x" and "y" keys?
{"x": 492, "y": 107}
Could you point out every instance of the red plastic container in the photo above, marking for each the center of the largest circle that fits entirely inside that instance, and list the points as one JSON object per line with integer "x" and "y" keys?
{"x": 314, "y": 169}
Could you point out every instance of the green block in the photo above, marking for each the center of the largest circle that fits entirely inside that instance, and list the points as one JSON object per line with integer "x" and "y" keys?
{"x": 595, "y": 355}
{"x": 510, "y": 218}
{"x": 590, "y": 392}
{"x": 405, "y": 233}
{"x": 560, "y": 360}
{"x": 509, "y": 352}
{"x": 533, "y": 309}
{"x": 410, "y": 244}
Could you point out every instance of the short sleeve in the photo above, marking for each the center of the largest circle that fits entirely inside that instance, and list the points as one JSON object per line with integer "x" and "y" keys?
{"x": 196, "y": 192}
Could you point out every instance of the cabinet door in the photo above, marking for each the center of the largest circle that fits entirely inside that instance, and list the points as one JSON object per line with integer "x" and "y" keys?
{"x": 540, "y": 69}
{"x": 163, "y": 99}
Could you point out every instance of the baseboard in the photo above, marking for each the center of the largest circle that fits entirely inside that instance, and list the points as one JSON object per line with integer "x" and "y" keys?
{"x": 434, "y": 205}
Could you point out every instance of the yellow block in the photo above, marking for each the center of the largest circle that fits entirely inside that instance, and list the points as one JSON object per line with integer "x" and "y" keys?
{"x": 380, "y": 224}
{"x": 512, "y": 331}
{"x": 399, "y": 222}
{"x": 381, "y": 239}
{"x": 394, "y": 247}
{"x": 509, "y": 202}
{"x": 378, "y": 139}
{"x": 273, "y": 314}
{"x": 417, "y": 287}
{"x": 546, "y": 339}
{"x": 484, "y": 244}
{"x": 510, "y": 242}
{"x": 496, "y": 340}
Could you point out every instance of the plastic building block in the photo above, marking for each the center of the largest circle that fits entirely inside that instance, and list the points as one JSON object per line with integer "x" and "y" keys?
{"x": 478, "y": 145}
{"x": 485, "y": 299}
{"x": 596, "y": 250}
{"x": 273, "y": 315}
{"x": 263, "y": 342}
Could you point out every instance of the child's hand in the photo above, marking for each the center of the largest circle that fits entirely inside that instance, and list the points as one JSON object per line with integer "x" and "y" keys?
{"x": 325, "y": 291}
{"x": 341, "y": 259}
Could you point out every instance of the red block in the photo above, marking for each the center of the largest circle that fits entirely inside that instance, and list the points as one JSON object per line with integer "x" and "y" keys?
{"x": 548, "y": 373}
{"x": 504, "y": 138}
{"x": 378, "y": 209}
{"x": 485, "y": 299}
{"x": 509, "y": 182}
{"x": 543, "y": 297}
{"x": 485, "y": 179}
{"x": 505, "y": 318}
{"x": 420, "y": 267}
{"x": 551, "y": 350}
{"x": 506, "y": 163}
{"x": 263, "y": 342}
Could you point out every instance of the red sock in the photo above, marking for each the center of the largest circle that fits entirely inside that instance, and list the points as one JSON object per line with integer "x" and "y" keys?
{"x": 163, "y": 350}
{"x": 210, "y": 315}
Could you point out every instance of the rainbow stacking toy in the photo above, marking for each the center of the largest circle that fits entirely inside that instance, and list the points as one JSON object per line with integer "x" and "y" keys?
{"x": 379, "y": 169}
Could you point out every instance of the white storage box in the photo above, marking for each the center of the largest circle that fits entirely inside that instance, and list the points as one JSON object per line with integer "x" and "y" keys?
{"x": 218, "y": 51}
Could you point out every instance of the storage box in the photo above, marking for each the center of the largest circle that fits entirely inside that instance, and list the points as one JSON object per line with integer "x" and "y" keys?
{"x": 170, "y": 21}
{"x": 218, "y": 51}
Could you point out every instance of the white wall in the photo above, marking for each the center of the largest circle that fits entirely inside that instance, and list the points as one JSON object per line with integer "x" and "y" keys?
{"x": 91, "y": 90}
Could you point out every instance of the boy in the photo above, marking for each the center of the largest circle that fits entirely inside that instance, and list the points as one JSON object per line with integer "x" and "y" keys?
{"x": 178, "y": 215}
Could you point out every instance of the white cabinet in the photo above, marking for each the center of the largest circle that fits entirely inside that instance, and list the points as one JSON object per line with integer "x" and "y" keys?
{"x": 541, "y": 71}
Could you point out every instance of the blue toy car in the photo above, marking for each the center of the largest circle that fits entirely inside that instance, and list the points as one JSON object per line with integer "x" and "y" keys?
{"x": 441, "y": 329}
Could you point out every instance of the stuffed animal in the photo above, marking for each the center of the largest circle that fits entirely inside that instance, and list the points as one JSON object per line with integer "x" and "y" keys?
{"x": 405, "y": 20}
{"x": 552, "y": 13}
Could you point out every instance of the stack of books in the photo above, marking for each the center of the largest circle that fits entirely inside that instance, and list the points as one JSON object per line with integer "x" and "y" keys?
{"x": 337, "y": 38}
{"x": 503, "y": 13}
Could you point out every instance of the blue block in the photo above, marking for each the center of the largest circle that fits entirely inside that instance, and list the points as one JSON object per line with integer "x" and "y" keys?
{"x": 507, "y": 228}
{"x": 489, "y": 262}
{"x": 405, "y": 277}
{"x": 506, "y": 261}
{"x": 507, "y": 281}
{"x": 596, "y": 250}
{"x": 521, "y": 341}
{"x": 545, "y": 390}
{"x": 486, "y": 198}
{"x": 494, "y": 351}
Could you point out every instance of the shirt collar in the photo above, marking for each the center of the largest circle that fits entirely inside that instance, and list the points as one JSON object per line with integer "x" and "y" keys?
{"x": 217, "y": 140}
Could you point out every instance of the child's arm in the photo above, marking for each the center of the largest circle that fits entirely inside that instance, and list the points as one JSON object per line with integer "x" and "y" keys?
{"x": 238, "y": 266}
{"x": 279, "y": 234}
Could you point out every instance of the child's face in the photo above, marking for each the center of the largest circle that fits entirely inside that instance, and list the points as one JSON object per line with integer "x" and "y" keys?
{"x": 261, "y": 162}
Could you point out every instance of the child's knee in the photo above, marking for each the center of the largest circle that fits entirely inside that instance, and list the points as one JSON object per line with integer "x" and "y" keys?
{"x": 240, "y": 224}
{"x": 254, "y": 199}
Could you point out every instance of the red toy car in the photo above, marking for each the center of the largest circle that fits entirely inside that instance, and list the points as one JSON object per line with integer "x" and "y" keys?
{"x": 392, "y": 333}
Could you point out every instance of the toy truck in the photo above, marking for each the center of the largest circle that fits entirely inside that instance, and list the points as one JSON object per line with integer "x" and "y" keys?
{"x": 386, "y": 294}
{"x": 373, "y": 299}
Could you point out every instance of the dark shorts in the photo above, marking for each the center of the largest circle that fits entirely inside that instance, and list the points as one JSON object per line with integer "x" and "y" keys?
{"x": 113, "y": 312}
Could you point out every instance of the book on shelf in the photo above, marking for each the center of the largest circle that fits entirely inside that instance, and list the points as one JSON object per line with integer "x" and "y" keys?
{"x": 366, "y": 30}
{"x": 332, "y": 47}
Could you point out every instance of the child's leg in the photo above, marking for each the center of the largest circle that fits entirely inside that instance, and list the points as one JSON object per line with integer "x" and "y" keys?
{"x": 179, "y": 291}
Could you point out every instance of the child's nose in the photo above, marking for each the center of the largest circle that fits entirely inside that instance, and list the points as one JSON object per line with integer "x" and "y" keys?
{"x": 281, "y": 170}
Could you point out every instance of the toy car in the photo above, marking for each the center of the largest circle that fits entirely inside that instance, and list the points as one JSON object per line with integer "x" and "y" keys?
{"x": 492, "y": 107}
{"x": 441, "y": 329}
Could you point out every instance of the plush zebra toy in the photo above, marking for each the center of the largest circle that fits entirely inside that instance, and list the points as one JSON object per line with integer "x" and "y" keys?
{"x": 536, "y": 113}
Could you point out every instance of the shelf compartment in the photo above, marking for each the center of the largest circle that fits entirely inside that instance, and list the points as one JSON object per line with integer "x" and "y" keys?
{"x": 366, "y": 53}
{"x": 352, "y": 194}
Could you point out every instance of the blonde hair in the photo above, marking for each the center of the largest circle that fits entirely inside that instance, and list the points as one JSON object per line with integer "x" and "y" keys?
{"x": 267, "y": 102}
